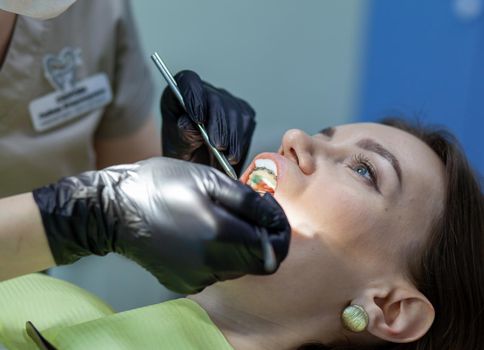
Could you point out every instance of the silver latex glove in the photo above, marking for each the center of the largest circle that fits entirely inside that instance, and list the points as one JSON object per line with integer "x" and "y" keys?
{"x": 188, "y": 224}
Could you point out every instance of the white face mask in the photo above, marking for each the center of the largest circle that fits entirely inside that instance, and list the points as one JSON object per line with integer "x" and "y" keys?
{"x": 40, "y": 9}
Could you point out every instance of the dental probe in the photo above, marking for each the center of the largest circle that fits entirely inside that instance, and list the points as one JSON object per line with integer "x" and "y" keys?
{"x": 174, "y": 87}
{"x": 270, "y": 263}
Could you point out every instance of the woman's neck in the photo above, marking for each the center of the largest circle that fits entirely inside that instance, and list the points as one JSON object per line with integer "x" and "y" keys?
{"x": 242, "y": 330}
{"x": 7, "y": 23}
{"x": 249, "y": 329}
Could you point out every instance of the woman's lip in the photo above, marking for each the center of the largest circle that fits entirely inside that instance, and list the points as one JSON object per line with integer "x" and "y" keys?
{"x": 279, "y": 160}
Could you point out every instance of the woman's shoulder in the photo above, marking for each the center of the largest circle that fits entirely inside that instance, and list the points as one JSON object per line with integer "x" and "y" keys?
{"x": 47, "y": 302}
{"x": 72, "y": 318}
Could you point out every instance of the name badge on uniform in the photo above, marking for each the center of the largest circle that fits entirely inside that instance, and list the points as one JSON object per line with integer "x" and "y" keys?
{"x": 72, "y": 98}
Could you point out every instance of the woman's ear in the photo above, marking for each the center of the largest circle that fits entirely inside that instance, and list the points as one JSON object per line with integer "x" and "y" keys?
{"x": 400, "y": 314}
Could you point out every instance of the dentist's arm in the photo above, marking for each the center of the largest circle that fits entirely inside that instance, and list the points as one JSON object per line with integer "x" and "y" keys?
{"x": 23, "y": 244}
{"x": 142, "y": 143}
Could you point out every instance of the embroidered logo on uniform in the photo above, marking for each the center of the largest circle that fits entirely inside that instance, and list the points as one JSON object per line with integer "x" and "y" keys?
{"x": 60, "y": 70}
{"x": 71, "y": 98}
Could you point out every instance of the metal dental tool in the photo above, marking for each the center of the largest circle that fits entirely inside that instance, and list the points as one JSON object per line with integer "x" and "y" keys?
{"x": 270, "y": 263}
{"x": 224, "y": 163}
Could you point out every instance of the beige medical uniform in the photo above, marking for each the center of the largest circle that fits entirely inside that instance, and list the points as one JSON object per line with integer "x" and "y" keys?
{"x": 103, "y": 35}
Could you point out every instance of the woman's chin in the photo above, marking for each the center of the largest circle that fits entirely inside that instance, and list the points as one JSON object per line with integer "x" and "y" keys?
{"x": 303, "y": 232}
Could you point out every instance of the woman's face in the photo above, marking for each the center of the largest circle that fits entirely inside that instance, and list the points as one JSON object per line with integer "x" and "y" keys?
{"x": 360, "y": 199}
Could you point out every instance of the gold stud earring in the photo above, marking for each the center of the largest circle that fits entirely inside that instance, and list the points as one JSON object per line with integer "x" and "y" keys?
{"x": 355, "y": 318}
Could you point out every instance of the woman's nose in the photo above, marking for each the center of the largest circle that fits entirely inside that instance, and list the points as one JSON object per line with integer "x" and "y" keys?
{"x": 298, "y": 146}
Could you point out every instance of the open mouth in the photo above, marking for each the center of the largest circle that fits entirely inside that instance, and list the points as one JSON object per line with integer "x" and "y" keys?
{"x": 263, "y": 179}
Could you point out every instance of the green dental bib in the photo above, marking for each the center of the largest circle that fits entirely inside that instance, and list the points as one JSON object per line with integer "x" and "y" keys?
{"x": 71, "y": 318}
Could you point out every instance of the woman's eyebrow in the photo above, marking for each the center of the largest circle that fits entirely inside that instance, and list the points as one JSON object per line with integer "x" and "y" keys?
{"x": 373, "y": 146}
{"x": 329, "y": 131}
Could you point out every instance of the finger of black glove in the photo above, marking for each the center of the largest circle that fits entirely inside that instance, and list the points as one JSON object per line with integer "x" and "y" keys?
{"x": 188, "y": 133}
{"x": 237, "y": 248}
{"x": 193, "y": 145}
{"x": 217, "y": 124}
{"x": 192, "y": 89}
{"x": 203, "y": 156}
{"x": 180, "y": 138}
{"x": 264, "y": 212}
{"x": 241, "y": 125}
{"x": 170, "y": 107}
{"x": 248, "y": 204}
{"x": 235, "y": 137}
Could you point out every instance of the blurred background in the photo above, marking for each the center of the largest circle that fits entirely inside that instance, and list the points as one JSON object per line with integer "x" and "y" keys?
{"x": 310, "y": 64}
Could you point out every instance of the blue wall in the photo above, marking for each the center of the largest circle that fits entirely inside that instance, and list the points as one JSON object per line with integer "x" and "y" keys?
{"x": 426, "y": 59}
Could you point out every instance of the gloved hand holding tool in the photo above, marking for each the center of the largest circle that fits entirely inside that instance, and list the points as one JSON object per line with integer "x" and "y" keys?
{"x": 230, "y": 122}
{"x": 188, "y": 224}
{"x": 215, "y": 154}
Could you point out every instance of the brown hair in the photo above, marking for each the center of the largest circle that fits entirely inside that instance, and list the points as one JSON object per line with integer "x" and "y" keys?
{"x": 450, "y": 270}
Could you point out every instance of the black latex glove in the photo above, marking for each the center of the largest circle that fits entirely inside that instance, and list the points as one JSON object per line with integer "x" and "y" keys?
{"x": 229, "y": 121}
{"x": 188, "y": 224}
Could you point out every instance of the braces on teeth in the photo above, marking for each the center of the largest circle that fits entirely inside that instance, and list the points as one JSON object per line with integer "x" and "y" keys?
{"x": 263, "y": 178}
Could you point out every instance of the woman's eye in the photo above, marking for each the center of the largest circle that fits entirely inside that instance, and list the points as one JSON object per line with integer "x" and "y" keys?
{"x": 362, "y": 166}
{"x": 363, "y": 170}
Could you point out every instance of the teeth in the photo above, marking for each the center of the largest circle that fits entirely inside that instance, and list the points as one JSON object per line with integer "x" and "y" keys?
{"x": 266, "y": 163}
{"x": 263, "y": 178}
